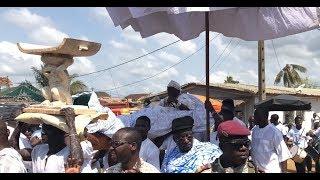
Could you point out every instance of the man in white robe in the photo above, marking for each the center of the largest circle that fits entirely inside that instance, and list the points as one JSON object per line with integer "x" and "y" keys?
{"x": 149, "y": 152}
{"x": 10, "y": 159}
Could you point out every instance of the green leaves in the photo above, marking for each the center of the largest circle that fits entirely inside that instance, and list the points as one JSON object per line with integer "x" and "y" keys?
{"x": 290, "y": 76}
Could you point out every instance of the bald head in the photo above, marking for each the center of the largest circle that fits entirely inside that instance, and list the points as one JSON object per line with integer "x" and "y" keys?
{"x": 130, "y": 135}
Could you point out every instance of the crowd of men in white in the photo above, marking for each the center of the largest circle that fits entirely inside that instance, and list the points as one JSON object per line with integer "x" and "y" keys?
{"x": 110, "y": 147}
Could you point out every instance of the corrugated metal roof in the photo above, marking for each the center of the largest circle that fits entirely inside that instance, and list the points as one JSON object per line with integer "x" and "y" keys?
{"x": 252, "y": 89}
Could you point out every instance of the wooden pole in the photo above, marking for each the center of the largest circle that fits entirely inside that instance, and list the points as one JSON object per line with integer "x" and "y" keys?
{"x": 207, "y": 74}
{"x": 261, "y": 71}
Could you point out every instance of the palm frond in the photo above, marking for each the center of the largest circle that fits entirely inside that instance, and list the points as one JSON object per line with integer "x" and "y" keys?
{"x": 299, "y": 68}
{"x": 278, "y": 77}
{"x": 286, "y": 81}
{"x": 41, "y": 79}
{"x": 296, "y": 77}
{"x": 77, "y": 87}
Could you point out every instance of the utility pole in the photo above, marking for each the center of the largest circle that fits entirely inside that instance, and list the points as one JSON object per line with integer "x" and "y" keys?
{"x": 261, "y": 71}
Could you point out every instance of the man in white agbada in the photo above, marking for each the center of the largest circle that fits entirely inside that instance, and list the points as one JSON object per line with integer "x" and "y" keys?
{"x": 183, "y": 101}
{"x": 298, "y": 136}
{"x": 274, "y": 119}
{"x": 10, "y": 159}
{"x": 268, "y": 150}
{"x": 176, "y": 99}
{"x": 149, "y": 152}
{"x": 103, "y": 127}
{"x": 20, "y": 141}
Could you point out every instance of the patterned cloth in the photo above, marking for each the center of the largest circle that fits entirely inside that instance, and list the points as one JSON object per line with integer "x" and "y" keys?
{"x": 201, "y": 153}
{"x": 142, "y": 166}
{"x": 161, "y": 117}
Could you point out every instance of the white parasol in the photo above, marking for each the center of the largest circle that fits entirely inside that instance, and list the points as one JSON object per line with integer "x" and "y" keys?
{"x": 247, "y": 23}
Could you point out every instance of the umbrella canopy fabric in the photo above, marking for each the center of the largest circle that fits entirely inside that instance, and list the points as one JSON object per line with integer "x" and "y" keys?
{"x": 247, "y": 23}
{"x": 215, "y": 103}
{"x": 284, "y": 103}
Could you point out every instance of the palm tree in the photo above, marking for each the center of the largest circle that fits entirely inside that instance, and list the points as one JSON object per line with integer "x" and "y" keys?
{"x": 41, "y": 79}
{"x": 230, "y": 79}
{"x": 76, "y": 86}
{"x": 290, "y": 76}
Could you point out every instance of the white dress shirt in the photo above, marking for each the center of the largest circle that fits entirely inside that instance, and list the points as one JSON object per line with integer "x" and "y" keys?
{"x": 268, "y": 148}
{"x": 149, "y": 152}
{"x": 283, "y": 129}
{"x": 11, "y": 161}
{"x": 42, "y": 163}
{"x": 299, "y": 137}
{"x": 55, "y": 163}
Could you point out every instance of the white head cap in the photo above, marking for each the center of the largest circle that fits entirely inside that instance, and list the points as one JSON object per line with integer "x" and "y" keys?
{"x": 174, "y": 85}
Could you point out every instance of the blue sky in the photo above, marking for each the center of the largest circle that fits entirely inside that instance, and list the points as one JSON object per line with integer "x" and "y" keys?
{"x": 48, "y": 26}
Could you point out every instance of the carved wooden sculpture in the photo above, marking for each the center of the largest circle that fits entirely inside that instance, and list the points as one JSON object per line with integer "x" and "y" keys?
{"x": 56, "y": 61}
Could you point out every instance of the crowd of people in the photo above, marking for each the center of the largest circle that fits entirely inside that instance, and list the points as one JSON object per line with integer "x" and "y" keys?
{"x": 109, "y": 146}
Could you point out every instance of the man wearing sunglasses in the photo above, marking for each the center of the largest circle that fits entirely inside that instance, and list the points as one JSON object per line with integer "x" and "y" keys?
{"x": 126, "y": 143}
{"x": 234, "y": 144}
{"x": 189, "y": 154}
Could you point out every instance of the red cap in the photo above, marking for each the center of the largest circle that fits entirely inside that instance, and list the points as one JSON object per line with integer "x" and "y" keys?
{"x": 232, "y": 128}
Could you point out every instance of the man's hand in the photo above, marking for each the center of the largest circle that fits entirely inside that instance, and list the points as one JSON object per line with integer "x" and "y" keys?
{"x": 35, "y": 141}
{"x": 73, "y": 166}
{"x": 203, "y": 168}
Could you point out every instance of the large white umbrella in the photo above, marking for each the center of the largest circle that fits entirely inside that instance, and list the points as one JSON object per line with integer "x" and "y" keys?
{"x": 247, "y": 23}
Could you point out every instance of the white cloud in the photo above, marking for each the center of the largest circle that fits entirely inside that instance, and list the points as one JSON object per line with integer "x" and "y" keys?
{"x": 150, "y": 56}
{"x": 24, "y": 18}
{"x": 168, "y": 57}
{"x": 39, "y": 29}
{"x": 101, "y": 13}
{"x": 168, "y": 74}
{"x": 187, "y": 47}
{"x": 190, "y": 78}
{"x": 218, "y": 77}
{"x": 6, "y": 69}
{"x": 15, "y": 63}
{"x": 81, "y": 65}
{"x": 119, "y": 45}
{"x": 130, "y": 35}
{"x": 85, "y": 38}
{"x": 164, "y": 38}
{"x": 48, "y": 35}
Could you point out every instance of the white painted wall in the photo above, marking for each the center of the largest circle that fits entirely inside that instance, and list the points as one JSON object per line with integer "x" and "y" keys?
{"x": 315, "y": 103}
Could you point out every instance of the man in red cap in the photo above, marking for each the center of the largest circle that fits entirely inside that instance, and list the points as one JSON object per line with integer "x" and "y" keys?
{"x": 235, "y": 144}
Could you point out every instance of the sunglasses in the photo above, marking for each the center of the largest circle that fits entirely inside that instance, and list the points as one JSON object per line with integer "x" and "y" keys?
{"x": 116, "y": 144}
{"x": 239, "y": 143}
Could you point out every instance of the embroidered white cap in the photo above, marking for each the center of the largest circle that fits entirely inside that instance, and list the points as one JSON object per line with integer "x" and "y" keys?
{"x": 174, "y": 85}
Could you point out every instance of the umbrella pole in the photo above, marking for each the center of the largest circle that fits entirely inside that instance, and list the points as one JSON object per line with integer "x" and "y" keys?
{"x": 207, "y": 74}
